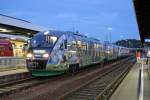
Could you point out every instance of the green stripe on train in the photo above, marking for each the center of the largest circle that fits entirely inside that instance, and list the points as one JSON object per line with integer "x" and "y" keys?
{"x": 46, "y": 73}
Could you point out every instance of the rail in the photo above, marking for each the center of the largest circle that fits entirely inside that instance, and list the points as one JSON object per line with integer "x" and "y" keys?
{"x": 102, "y": 87}
{"x": 109, "y": 90}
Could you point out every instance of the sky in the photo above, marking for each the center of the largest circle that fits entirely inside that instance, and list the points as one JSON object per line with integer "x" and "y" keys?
{"x": 100, "y": 19}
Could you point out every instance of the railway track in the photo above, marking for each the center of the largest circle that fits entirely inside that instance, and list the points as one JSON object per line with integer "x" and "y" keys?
{"x": 16, "y": 86}
{"x": 101, "y": 87}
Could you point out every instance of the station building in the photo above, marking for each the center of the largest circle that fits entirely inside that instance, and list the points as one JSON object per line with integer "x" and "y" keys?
{"x": 18, "y": 31}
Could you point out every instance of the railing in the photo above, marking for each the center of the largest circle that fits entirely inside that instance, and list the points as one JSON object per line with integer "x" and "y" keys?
{"x": 12, "y": 62}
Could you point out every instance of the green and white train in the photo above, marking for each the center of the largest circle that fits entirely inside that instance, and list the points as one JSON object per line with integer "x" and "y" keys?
{"x": 56, "y": 52}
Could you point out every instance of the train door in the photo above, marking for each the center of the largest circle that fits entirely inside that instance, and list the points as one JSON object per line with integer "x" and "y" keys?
{"x": 84, "y": 51}
{"x": 72, "y": 50}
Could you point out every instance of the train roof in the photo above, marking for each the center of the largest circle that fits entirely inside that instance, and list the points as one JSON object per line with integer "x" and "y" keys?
{"x": 52, "y": 32}
{"x": 78, "y": 35}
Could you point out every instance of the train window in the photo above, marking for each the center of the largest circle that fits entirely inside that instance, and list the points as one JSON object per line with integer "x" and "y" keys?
{"x": 84, "y": 48}
{"x": 90, "y": 49}
{"x": 51, "y": 39}
{"x": 61, "y": 47}
{"x": 79, "y": 44}
{"x": 71, "y": 46}
{"x": 87, "y": 49}
{"x": 65, "y": 44}
{"x": 54, "y": 39}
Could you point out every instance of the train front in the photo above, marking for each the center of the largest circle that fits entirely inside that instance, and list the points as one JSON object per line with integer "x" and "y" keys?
{"x": 40, "y": 47}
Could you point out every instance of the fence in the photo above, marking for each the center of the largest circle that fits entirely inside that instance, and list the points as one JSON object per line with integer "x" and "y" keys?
{"x": 12, "y": 62}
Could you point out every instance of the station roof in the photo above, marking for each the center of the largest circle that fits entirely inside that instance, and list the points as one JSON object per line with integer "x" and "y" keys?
{"x": 11, "y": 25}
{"x": 13, "y": 37}
{"x": 142, "y": 10}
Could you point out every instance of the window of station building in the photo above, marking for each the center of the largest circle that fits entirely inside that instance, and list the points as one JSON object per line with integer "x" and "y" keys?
{"x": 14, "y": 45}
{"x": 2, "y": 48}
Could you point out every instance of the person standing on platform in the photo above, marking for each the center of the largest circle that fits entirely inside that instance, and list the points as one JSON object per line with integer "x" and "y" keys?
{"x": 138, "y": 55}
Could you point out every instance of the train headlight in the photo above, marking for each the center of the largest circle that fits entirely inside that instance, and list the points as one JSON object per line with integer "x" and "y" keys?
{"x": 29, "y": 55}
{"x": 46, "y": 55}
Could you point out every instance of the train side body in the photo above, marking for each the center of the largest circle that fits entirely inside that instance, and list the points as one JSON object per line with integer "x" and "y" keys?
{"x": 56, "y": 52}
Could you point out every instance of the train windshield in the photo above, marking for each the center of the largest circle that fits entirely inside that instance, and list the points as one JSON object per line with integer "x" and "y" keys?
{"x": 43, "y": 41}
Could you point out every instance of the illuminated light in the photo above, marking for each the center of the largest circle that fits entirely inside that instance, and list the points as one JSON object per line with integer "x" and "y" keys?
{"x": 46, "y": 55}
{"x": 79, "y": 43}
{"x": 39, "y": 51}
{"x": 4, "y": 30}
{"x": 47, "y": 32}
{"x": 12, "y": 38}
{"x": 29, "y": 33}
{"x": 73, "y": 52}
{"x": 108, "y": 52}
{"x": 68, "y": 45}
{"x": 29, "y": 55}
{"x": 74, "y": 42}
{"x": 28, "y": 41}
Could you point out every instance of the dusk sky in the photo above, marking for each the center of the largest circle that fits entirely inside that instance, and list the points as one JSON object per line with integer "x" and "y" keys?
{"x": 95, "y": 18}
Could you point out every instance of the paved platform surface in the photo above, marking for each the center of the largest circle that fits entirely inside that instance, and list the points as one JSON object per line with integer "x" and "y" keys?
{"x": 146, "y": 90}
{"x": 129, "y": 88}
{"x": 10, "y": 72}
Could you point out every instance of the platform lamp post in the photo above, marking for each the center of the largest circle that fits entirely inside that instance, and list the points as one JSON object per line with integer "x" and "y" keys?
{"x": 109, "y": 33}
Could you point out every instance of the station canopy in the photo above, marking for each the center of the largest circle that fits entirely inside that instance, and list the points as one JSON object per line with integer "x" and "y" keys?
{"x": 142, "y": 10}
{"x": 14, "y": 26}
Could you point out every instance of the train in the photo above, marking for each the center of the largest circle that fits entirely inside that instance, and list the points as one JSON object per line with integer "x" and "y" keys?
{"x": 6, "y": 48}
{"x": 57, "y": 52}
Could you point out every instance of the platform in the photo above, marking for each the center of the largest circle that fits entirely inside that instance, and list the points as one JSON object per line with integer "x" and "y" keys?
{"x": 129, "y": 89}
{"x": 15, "y": 71}
{"x": 13, "y": 75}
